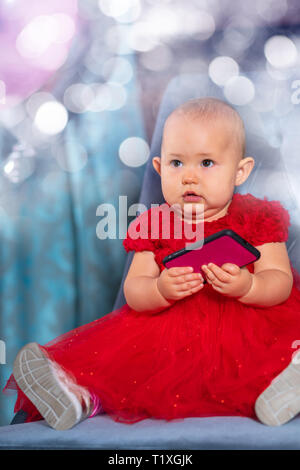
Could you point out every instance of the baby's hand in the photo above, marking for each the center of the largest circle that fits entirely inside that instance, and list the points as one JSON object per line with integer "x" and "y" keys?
{"x": 176, "y": 283}
{"x": 229, "y": 279}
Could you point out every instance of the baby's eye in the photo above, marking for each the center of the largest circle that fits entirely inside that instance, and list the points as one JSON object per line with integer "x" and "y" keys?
{"x": 207, "y": 160}
{"x": 177, "y": 161}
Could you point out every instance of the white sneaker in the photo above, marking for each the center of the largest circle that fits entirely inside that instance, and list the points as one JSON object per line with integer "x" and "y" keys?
{"x": 280, "y": 401}
{"x": 56, "y": 396}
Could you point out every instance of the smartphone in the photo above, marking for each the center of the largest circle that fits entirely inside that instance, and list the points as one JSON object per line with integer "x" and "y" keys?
{"x": 221, "y": 247}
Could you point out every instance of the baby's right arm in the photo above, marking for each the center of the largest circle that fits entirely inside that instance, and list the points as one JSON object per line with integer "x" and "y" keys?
{"x": 148, "y": 289}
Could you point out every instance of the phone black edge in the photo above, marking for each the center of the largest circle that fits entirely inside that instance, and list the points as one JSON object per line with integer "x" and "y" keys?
{"x": 215, "y": 236}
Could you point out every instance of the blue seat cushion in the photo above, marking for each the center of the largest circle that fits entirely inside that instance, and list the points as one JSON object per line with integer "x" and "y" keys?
{"x": 101, "y": 432}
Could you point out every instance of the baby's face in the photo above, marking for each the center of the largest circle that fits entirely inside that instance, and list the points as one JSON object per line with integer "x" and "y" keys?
{"x": 201, "y": 157}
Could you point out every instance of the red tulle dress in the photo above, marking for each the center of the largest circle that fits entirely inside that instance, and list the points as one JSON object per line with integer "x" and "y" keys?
{"x": 206, "y": 355}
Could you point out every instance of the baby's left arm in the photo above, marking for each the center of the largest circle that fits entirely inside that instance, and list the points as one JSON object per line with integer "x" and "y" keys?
{"x": 270, "y": 284}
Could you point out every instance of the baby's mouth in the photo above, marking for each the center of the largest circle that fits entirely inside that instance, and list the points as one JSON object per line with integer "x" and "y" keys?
{"x": 191, "y": 196}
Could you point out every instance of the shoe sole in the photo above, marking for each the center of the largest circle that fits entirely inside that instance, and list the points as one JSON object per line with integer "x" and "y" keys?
{"x": 280, "y": 402}
{"x": 33, "y": 373}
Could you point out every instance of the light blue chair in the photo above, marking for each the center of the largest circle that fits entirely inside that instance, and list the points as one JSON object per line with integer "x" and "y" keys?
{"x": 273, "y": 177}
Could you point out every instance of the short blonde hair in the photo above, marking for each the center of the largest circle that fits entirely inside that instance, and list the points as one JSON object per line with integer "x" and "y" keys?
{"x": 211, "y": 108}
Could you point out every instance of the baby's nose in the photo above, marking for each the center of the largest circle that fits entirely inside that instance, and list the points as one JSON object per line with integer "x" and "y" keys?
{"x": 190, "y": 177}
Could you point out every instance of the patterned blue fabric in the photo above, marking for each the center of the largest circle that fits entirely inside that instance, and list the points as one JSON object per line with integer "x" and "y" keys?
{"x": 56, "y": 274}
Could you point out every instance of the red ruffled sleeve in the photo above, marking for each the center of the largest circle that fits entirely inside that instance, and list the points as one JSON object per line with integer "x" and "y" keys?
{"x": 138, "y": 236}
{"x": 265, "y": 221}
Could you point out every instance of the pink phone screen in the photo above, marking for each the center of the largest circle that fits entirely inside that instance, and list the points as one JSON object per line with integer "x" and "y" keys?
{"x": 222, "y": 250}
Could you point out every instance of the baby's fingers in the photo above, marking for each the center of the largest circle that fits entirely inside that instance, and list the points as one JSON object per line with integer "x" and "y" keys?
{"x": 174, "y": 272}
{"x": 186, "y": 286}
{"x": 231, "y": 268}
{"x": 214, "y": 273}
{"x": 191, "y": 289}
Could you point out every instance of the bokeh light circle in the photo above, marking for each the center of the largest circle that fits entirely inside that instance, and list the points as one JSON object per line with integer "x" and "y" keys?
{"x": 51, "y": 118}
{"x": 78, "y": 97}
{"x": 280, "y": 51}
{"x": 222, "y": 68}
{"x": 239, "y": 90}
{"x": 115, "y": 8}
{"x": 134, "y": 151}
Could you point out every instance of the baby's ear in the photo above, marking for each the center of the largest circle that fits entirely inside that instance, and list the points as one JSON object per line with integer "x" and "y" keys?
{"x": 246, "y": 165}
{"x": 156, "y": 162}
